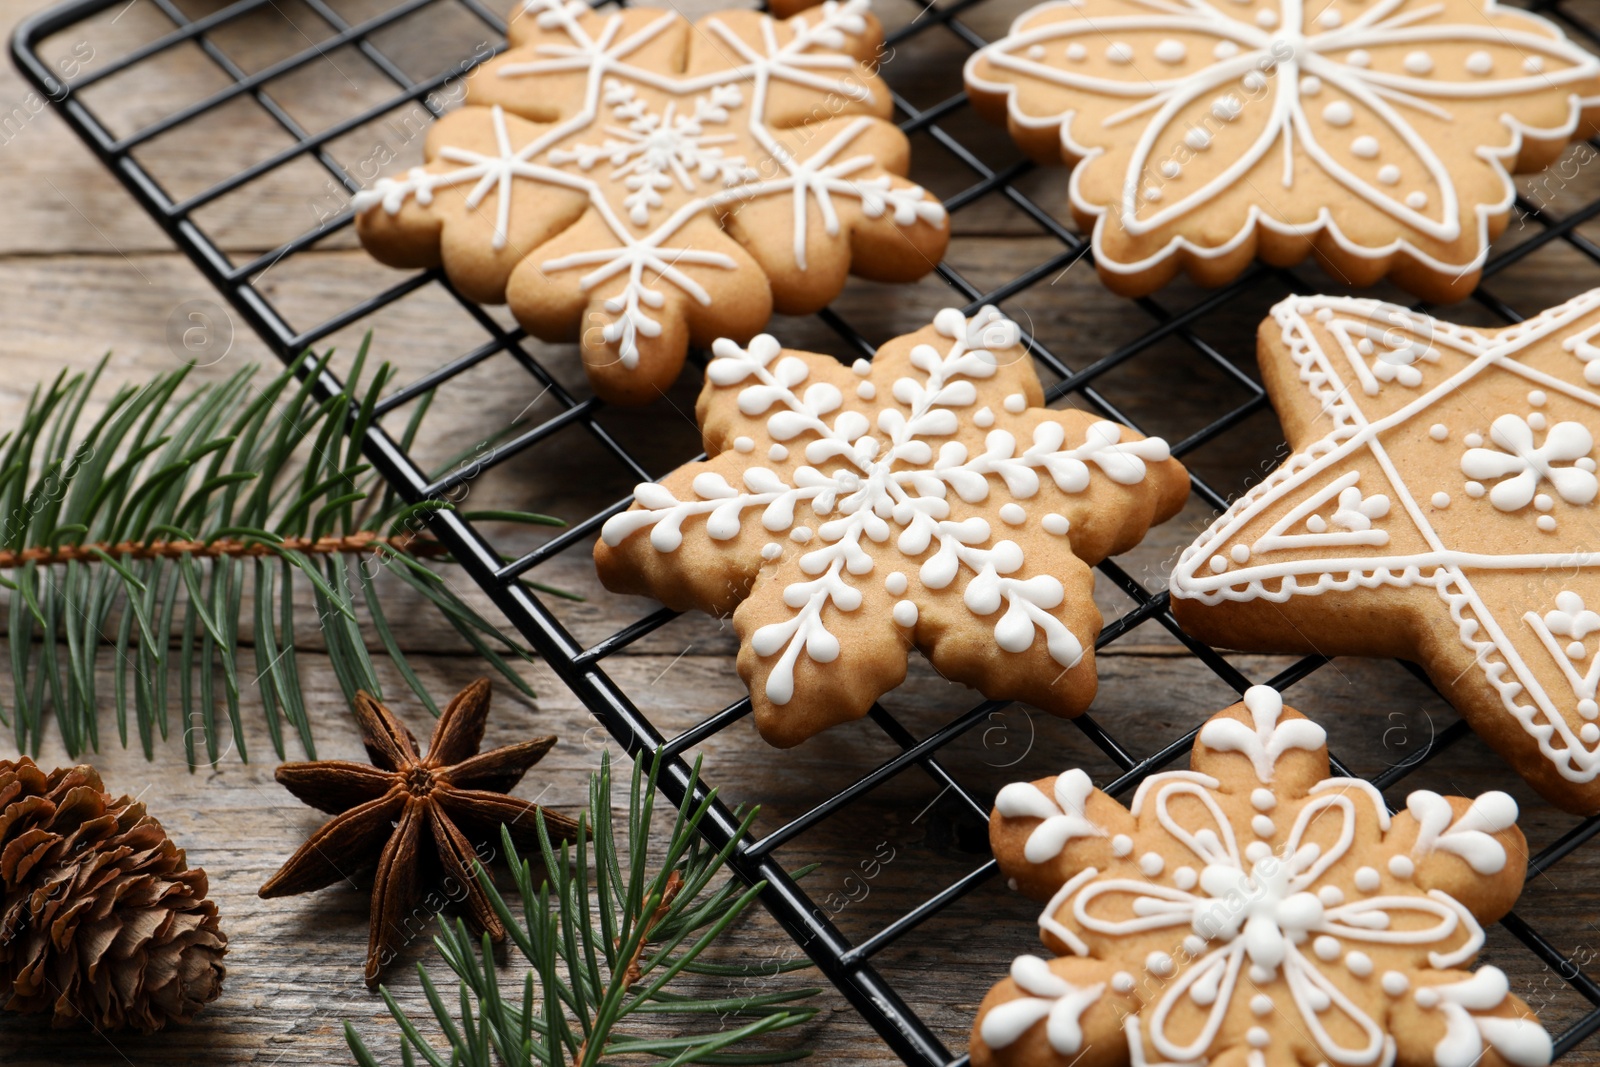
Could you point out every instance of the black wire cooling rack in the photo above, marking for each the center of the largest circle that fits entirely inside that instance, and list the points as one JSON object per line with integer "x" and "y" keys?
{"x": 847, "y": 963}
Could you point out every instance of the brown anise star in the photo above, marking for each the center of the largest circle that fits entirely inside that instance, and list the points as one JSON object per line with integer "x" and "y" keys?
{"x": 387, "y": 812}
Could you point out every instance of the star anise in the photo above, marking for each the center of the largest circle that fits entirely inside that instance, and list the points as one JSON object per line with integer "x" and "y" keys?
{"x": 388, "y": 812}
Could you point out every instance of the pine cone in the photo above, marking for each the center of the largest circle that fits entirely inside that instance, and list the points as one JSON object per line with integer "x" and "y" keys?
{"x": 101, "y": 920}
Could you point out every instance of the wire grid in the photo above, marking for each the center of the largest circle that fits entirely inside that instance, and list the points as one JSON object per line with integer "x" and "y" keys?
{"x": 847, "y": 964}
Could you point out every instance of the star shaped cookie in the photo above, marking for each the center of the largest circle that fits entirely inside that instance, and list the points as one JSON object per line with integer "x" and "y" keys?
{"x": 638, "y": 183}
{"x": 1376, "y": 134}
{"x": 1439, "y": 506}
{"x": 923, "y": 498}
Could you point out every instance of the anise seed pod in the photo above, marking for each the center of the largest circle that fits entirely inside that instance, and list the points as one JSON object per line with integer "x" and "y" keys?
{"x": 102, "y": 922}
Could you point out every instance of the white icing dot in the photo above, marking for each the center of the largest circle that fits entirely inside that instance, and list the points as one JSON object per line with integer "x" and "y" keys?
{"x": 1480, "y": 63}
{"x": 1418, "y": 63}
{"x": 1225, "y": 50}
{"x": 1152, "y": 194}
{"x": 1416, "y": 200}
{"x": 1588, "y": 708}
{"x": 1151, "y": 864}
{"x": 1536, "y": 420}
{"x": 1036, "y": 52}
{"x": 1537, "y": 398}
{"x": 1366, "y": 879}
{"x": 743, "y": 444}
{"x": 1427, "y": 998}
{"x": 861, "y": 367}
{"x": 905, "y": 613}
{"x": 1326, "y": 948}
{"x": 1185, "y": 878}
{"x": 1338, "y": 113}
{"x": 983, "y": 418}
{"x": 1263, "y": 826}
{"x": 1441, "y": 500}
{"x": 895, "y": 583}
{"x": 778, "y": 453}
{"x": 1331, "y": 896}
{"x": 1170, "y": 169}
{"x": 1266, "y": 18}
{"x": 1170, "y": 51}
{"x": 1310, "y": 85}
{"x": 1240, "y": 553}
{"x": 771, "y": 550}
{"x": 1260, "y": 975}
{"x": 1364, "y": 147}
{"x": 1395, "y": 983}
{"x": 1255, "y": 81}
{"x": 1543, "y": 502}
{"x": 1329, "y": 19}
{"x": 1016, "y": 403}
{"x": 801, "y": 534}
{"x": 1055, "y": 524}
{"x": 1533, "y": 64}
{"x": 1438, "y": 431}
{"x": 1197, "y": 138}
{"x": 1013, "y": 514}
{"x": 1590, "y": 733}
{"x": 1218, "y": 564}
{"x": 1316, "y": 524}
{"x": 1193, "y": 944}
{"x": 1359, "y": 58}
{"x": 1474, "y": 489}
{"x": 1389, "y": 174}
{"x": 1260, "y": 1004}
{"x": 1401, "y": 866}
{"x": 1122, "y": 982}
{"x": 1227, "y": 107}
{"x": 1159, "y": 964}
{"x": 1473, "y": 440}
{"x": 1121, "y": 845}
{"x": 1365, "y": 346}
{"x": 1325, "y": 315}
{"x": 1358, "y": 964}
{"x": 1576, "y": 650}
{"x": 1256, "y": 851}
{"x": 1547, "y": 523}
{"x": 1119, "y": 52}
{"x": 1262, "y": 799}
{"x": 866, "y": 390}
{"x": 1076, "y": 52}
{"x": 1257, "y": 1036}
{"x": 1585, "y": 463}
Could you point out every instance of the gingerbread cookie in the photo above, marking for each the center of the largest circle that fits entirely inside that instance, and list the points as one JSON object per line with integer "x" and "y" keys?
{"x": 1254, "y": 911}
{"x": 924, "y": 498}
{"x": 640, "y": 184}
{"x": 1439, "y": 506}
{"x": 1375, "y": 134}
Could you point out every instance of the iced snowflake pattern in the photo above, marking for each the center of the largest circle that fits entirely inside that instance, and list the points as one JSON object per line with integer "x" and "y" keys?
{"x": 1223, "y": 892}
{"x": 855, "y": 485}
{"x": 653, "y": 152}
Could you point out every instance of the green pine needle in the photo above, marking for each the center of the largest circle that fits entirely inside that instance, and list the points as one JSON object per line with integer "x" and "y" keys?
{"x": 604, "y": 934}
{"x": 135, "y": 539}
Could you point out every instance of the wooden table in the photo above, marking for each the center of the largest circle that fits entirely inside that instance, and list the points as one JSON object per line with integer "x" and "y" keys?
{"x": 83, "y": 271}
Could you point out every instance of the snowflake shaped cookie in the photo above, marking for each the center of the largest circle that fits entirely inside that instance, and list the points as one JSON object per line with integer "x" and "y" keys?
{"x": 637, "y": 183}
{"x": 1254, "y": 911}
{"x": 1376, "y": 134}
{"x": 1473, "y": 455}
{"x": 923, "y": 498}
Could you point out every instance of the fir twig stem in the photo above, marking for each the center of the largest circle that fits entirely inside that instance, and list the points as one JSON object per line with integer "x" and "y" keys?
{"x": 363, "y": 541}
{"x": 624, "y": 979}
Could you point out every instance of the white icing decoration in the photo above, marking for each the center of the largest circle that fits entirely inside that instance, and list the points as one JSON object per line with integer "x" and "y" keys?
{"x": 1441, "y": 500}
{"x": 1502, "y": 638}
{"x": 1401, "y": 866}
{"x": 1520, "y": 1040}
{"x": 638, "y": 154}
{"x": 895, "y": 583}
{"x": 1439, "y": 431}
{"x": 777, "y": 453}
{"x": 1151, "y": 864}
{"x": 1050, "y": 999}
{"x": 1015, "y": 403}
{"x": 888, "y": 480}
{"x": 1098, "y": 101}
{"x": 1013, "y": 514}
{"x": 866, "y": 390}
{"x": 1120, "y": 52}
{"x": 1266, "y": 739}
{"x": 1170, "y": 51}
{"x": 1267, "y": 914}
{"x": 1263, "y": 826}
{"x": 743, "y": 444}
{"x": 905, "y": 613}
{"x": 1055, "y": 524}
{"x": 771, "y": 551}
{"x": 1480, "y": 63}
{"x": 1063, "y": 815}
{"x": 1121, "y": 845}
{"x": 1470, "y": 836}
{"x": 1076, "y": 52}
{"x": 1367, "y": 879}
{"x": 1122, "y": 982}
{"x": 1262, "y": 799}
{"x": 983, "y": 418}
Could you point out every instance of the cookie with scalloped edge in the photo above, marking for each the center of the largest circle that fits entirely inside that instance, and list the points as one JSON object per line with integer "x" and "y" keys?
{"x": 1376, "y": 135}
{"x": 1254, "y": 912}
{"x": 638, "y": 183}
{"x": 1438, "y": 505}
{"x": 924, "y": 498}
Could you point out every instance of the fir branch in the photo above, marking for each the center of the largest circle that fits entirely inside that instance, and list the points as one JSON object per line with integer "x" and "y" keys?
{"x": 604, "y": 938}
{"x": 142, "y": 533}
